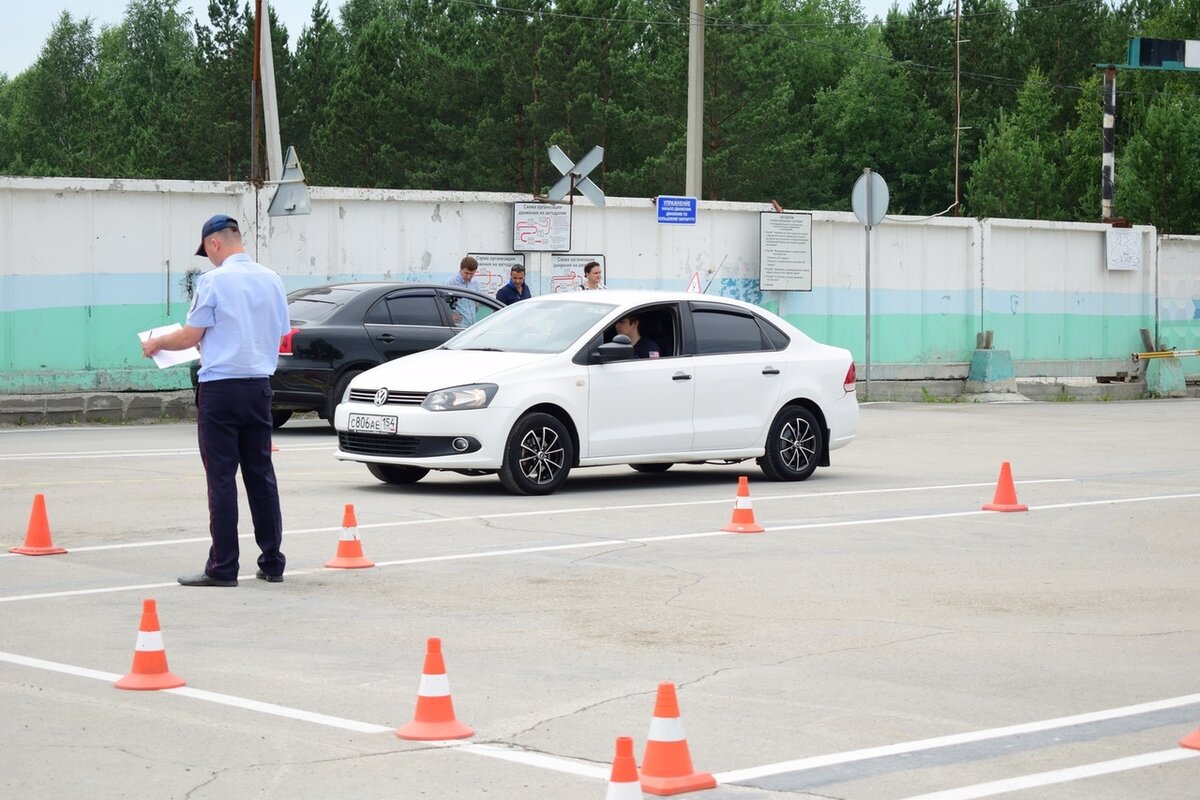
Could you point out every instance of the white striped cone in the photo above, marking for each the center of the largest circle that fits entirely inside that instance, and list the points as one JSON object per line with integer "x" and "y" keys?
{"x": 434, "y": 718}
{"x": 349, "y": 549}
{"x": 623, "y": 782}
{"x": 667, "y": 763}
{"x": 149, "y": 656}
{"x": 742, "y": 520}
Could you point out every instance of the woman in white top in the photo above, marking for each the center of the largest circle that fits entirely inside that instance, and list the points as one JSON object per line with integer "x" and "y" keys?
{"x": 591, "y": 274}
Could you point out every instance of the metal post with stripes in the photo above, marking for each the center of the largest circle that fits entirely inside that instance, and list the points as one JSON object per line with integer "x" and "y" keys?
{"x": 1108, "y": 160}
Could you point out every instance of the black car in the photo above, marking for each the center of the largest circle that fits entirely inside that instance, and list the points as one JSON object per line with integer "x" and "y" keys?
{"x": 341, "y": 329}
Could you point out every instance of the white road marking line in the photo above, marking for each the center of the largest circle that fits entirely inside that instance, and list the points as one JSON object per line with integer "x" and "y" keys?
{"x": 584, "y": 769}
{"x": 139, "y": 453}
{"x": 850, "y": 756}
{"x": 529, "y": 758}
{"x": 632, "y": 540}
{"x": 545, "y": 512}
{"x": 1060, "y": 775}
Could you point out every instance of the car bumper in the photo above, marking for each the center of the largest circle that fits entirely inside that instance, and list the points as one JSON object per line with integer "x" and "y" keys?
{"x": 469, "y": 439}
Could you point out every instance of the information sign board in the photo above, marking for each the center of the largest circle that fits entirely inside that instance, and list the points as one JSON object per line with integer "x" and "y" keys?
{"x": 542, "y": 227}
{"x": 785, "y": 251}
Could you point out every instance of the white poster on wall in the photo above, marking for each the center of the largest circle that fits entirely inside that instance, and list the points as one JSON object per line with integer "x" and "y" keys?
{"x": 542, "y": 226}
{"x": 494, "y": 270}
{"x": 1123, "y": 249}
{"x": 785, "y": 251}
{"x": 566, "y": 271}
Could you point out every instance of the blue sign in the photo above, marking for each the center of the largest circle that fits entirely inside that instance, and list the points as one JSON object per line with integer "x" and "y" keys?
{"x": 676, "y": 210}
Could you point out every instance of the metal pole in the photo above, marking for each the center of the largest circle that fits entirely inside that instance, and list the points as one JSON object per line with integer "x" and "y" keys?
{"x": 693, "y": 169}
{"x": 1108, "y": 158}
{"x": 867, "y": 232}
{"x": 255, "y": 177}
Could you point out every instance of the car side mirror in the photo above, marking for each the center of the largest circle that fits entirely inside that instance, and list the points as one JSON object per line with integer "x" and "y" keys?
{"x": 619, "y": 349}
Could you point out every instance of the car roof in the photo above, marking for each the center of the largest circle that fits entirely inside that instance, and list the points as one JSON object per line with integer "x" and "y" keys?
{"x": 626, "y": 297}
{"x": 382, "y": 286}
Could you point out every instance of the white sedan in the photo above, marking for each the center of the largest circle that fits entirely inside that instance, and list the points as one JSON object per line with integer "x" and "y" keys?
{"x": 549, "y": 384}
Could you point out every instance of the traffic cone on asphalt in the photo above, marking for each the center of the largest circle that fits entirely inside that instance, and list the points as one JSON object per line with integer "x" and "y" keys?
{"x": 623, "y": 783}
{"x": 742, "y": 520}
{"x": 1192, "y": 740}
{"x": 1006, "y": 494}
{"x": 434, "y": 719}
{"x": 149, "y": 658}
{"x": 349, "y": 549}
{"x": 667, "y": 764}
{"x": 37, "y": 535}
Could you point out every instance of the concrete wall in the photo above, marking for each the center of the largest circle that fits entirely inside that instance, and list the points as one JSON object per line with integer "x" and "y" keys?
{"x": 85, "y": 264}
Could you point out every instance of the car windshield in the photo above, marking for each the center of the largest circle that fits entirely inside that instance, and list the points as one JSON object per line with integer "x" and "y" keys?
{"x": 545, "y": 326}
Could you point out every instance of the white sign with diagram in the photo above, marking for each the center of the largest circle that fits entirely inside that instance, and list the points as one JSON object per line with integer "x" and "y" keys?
{"x": 494, "y": 270}
{"x": 542, "y": 226}
{"x": 566, "y": 271}
{"x": 1123, "y": 249}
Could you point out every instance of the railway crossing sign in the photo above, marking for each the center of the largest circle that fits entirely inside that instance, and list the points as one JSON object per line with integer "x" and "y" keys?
{"x": 574, "y": 175}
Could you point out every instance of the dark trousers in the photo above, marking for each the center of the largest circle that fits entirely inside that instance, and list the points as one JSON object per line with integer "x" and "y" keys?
{"x": 234, "y": 428}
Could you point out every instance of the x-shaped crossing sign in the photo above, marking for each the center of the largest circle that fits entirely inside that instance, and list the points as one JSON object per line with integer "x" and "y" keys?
{"x": 574, "y": 176}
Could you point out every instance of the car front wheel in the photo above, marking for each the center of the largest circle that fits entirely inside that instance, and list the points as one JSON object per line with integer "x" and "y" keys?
{"x": 538, "y": 455}
{"x": 794, "y": 445}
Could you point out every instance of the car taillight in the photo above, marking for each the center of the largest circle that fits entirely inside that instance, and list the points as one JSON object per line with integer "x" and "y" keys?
{"x": 285, "y": 342}
{"x": 851, "y": 379}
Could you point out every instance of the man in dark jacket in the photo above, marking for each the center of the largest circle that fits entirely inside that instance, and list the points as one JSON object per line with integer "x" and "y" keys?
{"x": 515, "y": 289}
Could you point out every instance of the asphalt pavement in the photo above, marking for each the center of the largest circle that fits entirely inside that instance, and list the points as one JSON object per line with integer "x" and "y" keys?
{"x": 884, "y": 639}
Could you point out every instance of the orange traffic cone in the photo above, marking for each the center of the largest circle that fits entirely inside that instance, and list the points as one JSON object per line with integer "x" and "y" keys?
{"x": 1006, "y": 494}
{"x": 1192, "y": 740}
{"x": 349, "y": 549}
{"x": 667, "y": 764}
{"x": 149, "y": 658}
{"x": 37, "y": 535}
{"x": 434, "y": 719}
{"x": 623, "y": 783}
{"x": 743, "y": 514}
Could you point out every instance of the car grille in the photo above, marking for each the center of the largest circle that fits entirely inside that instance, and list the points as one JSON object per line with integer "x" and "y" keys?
{"x": 395, "y": 397}
{"x": 369, "y": 444}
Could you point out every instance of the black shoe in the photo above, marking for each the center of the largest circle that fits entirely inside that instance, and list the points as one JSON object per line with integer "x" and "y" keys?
{"x": 262, "y": 576}
{"x": 204, "y": 579}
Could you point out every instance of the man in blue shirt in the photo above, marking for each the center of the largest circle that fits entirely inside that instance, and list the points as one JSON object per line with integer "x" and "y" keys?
{"x": 238, "y": 314}
{"x": 515, "y": 289}
{"x": 463, "y": 310}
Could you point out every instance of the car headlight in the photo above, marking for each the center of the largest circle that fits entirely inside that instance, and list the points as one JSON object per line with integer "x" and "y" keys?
{"x": 457, "y": 398}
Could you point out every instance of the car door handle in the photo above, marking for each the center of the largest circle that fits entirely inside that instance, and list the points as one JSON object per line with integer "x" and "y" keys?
{"x": 770, "y": 371}
{"x": 681, "y": 376}
{"x": 387, "y": 337}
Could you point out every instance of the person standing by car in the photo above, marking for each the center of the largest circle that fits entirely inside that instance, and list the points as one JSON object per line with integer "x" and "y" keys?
{"x": 642, "y": 347}
{"x": 515, "y": 289}
{"x": 463, "y": 311}
{"x": 238, "y": 315}
{"x": 592, "y": 276}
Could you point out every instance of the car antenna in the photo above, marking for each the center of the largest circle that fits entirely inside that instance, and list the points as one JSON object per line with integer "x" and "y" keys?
{"x": 716, "y": 272}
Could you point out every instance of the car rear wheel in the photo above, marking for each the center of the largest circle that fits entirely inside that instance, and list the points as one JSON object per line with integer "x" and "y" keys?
{"x": 652, "y": 468}
{"x": 279, "y": 416}
{"x": 339, "y": 389}
{"x": 538, "y": 455}
{"x": 394, "y": 473}
{"x": 794, "y": 445}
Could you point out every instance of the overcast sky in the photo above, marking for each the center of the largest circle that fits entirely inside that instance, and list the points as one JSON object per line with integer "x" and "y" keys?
{"x": 23, "y": 32}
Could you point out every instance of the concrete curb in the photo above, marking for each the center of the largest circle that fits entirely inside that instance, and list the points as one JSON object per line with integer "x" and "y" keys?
{"x": 17, "y": 410}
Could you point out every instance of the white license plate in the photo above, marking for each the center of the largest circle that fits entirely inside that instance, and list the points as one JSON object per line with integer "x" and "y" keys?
{"x": 371, "y": 423}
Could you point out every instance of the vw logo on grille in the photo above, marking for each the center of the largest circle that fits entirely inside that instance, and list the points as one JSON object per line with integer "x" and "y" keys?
{"x": 381, "y": 397}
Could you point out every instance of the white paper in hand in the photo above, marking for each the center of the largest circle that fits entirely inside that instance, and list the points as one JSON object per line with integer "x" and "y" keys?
{"x": 169, "y": 358}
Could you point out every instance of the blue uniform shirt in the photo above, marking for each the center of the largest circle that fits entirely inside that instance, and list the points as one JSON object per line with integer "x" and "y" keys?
{"x": 464, "y": 307}
{"x": 243, "y": 309}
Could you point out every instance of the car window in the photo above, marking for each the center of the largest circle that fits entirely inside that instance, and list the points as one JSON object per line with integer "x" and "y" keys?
{"x": 726, "y": 332}
{"x": 412, "y": 308}
{"x": 777, "y": 339}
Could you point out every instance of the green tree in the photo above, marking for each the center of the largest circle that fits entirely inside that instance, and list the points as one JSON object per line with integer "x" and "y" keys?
{"x": 1082, "y": 150}
{"x": 149, "y": 80}
{"x": 224, "y": 61}
{"x": 1016, "y": 173}
{"x": 51, "y": 120}
{"x": 320, "y": 54}
{"x": 1158, "y": 182}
